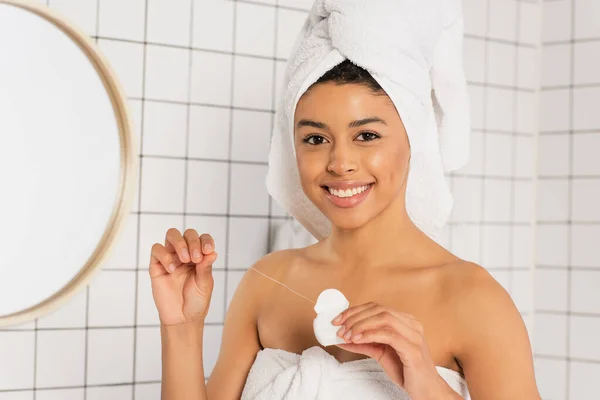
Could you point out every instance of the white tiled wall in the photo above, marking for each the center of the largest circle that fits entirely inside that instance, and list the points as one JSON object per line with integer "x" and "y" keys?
{"x": 202, "y": 77}
{"x": 567, "y": 303}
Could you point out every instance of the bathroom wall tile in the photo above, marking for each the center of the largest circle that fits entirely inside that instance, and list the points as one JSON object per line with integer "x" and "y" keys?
{"x": 153, "y": 229}
{"x": 583, "y": 381}
{"x": 497, "y": 204}
{"x": 165, "y": 128}
{"x": 556, "y": 21}
{"x": 584, "y": 245}
{"x": 258, "y": 91}
{"x": 477, "y": 100}
{"x": 528, "y": 68}
{"x": 586, "y": 19}
{"x": 522, "y": 246}
{"x": 248, "y": 240}
{"x": 529, "y": 22}
{"x": 524, "y": 156}
{"x": 527, "y": 113}
{"x": 82, "y": 13}
{"x": 496, "y": 246}
{"x": 585, "y": 158}
{"x": 501, "y": 63}
{"x": 475, "y": 163}
{"x": 554, "y": 157}
{"x": 251, "y": 135}
{"x": 213, "y": 25}
{"x": 503, "y": 23}
{"x": 585, "y": 296}
{"x": 523, "y": 202}
{"x": 475, "y": 15}
{"x": 585, "y": 111}
{"x": 553, "y": 200}
{"x": 121, "y": 392}
{"x": 550, "y": 335}
{"x": 123, "y": 20}
{"x": 60, "y": 358}
{"x": 69, "y": 315}
{"x": 135, "y": 111}
{"x": 146, "y": 313}
{"x": 169, "y": 22}
{"x": 499, "y": 155}
{"x": 162, "y": 61}
{"x": 210, "y": 347}
{"x": 127, "y": 61}
{"x": 279, "y": 84}
{"x": 18, "y": 347}
{"x": 474, "y": 59}
{"x": 248, "y": 193}
{"x": 468, "y": 204}
{"x": 521, "y": 292}
{"x": 466, "y": 242}
{"x": 207, "y": 187}
{"x": 556, "y": 65}
{"x": 162, "y": 184}
{"x": 209, "y": 132}
{"x": 112, "y": 299}
{"x": 110, "y": 357}
{"x": 500, "y": 110}
{"x": 217, "y": 304}
{"x": 148, "y": 354}
{"x": 551, "y": 376}
{"x": 587, "y": 62}
{"x": 552, "y": 245}
{"x": 586, "y": 197}
{"x": 583, "y": 336}
{"x": 217, "y": 228}
{"x": 288, "y": 27}
{"x": 207, "y": 86}
{"x": 551, "y": 289}
{"x": 148, "y": 391}
{"x": 300, "y": 4}
{"x": 20, "y": 395}
{"x": 60, "y": 394}
{"x": 554, "y": 110}
{"x": 255, "y": 29}
{"x": 122, "y": 255}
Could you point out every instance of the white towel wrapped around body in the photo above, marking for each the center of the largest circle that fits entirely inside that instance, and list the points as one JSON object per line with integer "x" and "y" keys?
{"x": 413, "y": 49}
{"x": 317, "y": 375}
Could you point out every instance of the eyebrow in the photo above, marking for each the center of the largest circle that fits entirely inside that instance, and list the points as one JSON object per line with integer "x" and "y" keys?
{"x": 353, "y": 124}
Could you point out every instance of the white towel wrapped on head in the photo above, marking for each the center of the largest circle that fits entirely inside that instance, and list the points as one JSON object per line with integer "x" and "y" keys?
{"x": 413, "y": 49}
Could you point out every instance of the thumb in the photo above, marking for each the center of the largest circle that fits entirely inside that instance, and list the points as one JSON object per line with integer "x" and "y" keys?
{"x": 204, "y": 271}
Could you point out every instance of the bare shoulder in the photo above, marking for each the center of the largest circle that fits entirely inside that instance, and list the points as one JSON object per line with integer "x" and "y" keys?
{"x": 493, "y": 346}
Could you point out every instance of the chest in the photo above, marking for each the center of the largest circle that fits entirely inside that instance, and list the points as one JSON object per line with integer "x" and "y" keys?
{"x": 286, "y": 321}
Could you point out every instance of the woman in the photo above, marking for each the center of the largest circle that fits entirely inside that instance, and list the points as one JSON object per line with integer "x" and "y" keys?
{"x": 421, "y": 314}
{"x": 419, "y": 306}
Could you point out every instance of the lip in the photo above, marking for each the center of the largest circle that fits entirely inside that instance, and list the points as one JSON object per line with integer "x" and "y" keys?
{"x": 346, "y": 184}
{"x": 348, "y": 202}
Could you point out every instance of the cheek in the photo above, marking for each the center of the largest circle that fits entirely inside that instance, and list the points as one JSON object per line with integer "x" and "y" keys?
{"x": 388, "y": 164}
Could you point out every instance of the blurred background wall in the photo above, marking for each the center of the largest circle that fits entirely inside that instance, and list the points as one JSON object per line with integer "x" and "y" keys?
{"x": 203, "y": 80}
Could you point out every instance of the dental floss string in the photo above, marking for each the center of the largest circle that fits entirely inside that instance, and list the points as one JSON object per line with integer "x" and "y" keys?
{"x": 287, "y": 287}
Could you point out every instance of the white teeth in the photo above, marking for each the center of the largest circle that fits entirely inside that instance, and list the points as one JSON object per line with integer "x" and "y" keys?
{"x": 348, "y": 192}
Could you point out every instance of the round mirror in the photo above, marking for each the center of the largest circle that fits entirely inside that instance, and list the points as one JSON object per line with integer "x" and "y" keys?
{"x": 67, "y": 160}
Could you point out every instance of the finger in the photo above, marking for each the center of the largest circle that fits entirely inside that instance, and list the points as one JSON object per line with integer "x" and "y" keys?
{"x": 350, "y": 311}
{"x": 393, "y": 339}
{"x": 208, "y": 243}
{"x": 193, "y": 243}
{"x": 161, "y": 261}
{"x": 381, "y": 320}
{"x": 205, "y": 266}
{"x": 175, "y": 241}
{"x": 351, "y": 315}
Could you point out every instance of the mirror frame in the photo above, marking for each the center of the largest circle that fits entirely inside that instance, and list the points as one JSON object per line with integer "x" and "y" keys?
{"x": 128, "y": 172}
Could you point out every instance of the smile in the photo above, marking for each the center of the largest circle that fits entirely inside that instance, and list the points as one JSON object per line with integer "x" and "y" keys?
{"x": 347, "y": 198}
{"x": 348, "y": 192}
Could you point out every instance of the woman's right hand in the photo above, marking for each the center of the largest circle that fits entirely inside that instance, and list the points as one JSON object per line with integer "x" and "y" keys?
{"x": 181, "y": 276}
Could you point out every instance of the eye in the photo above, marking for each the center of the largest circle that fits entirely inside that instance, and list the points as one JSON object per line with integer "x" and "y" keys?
{"x": 314, "y": 140}
{"x": 368, "y": 136}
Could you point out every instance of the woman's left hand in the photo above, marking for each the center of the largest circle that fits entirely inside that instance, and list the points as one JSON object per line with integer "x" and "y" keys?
{"x": 397, "y": 342}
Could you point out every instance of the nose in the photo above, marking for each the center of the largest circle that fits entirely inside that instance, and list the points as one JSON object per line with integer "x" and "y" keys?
{"x": 342, "y": 160}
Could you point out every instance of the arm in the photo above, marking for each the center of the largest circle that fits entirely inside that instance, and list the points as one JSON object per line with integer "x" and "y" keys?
{"x": 494, "y": 351}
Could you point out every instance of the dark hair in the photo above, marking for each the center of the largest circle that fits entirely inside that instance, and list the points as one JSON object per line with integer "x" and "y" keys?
{"x": 348, "y": 72}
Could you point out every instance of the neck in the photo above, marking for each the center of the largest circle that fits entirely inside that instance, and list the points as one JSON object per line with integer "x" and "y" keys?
{"x": 389, "y": 239}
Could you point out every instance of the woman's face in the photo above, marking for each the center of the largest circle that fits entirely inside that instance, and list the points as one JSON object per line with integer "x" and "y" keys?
{"x": 352, "y": 152}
